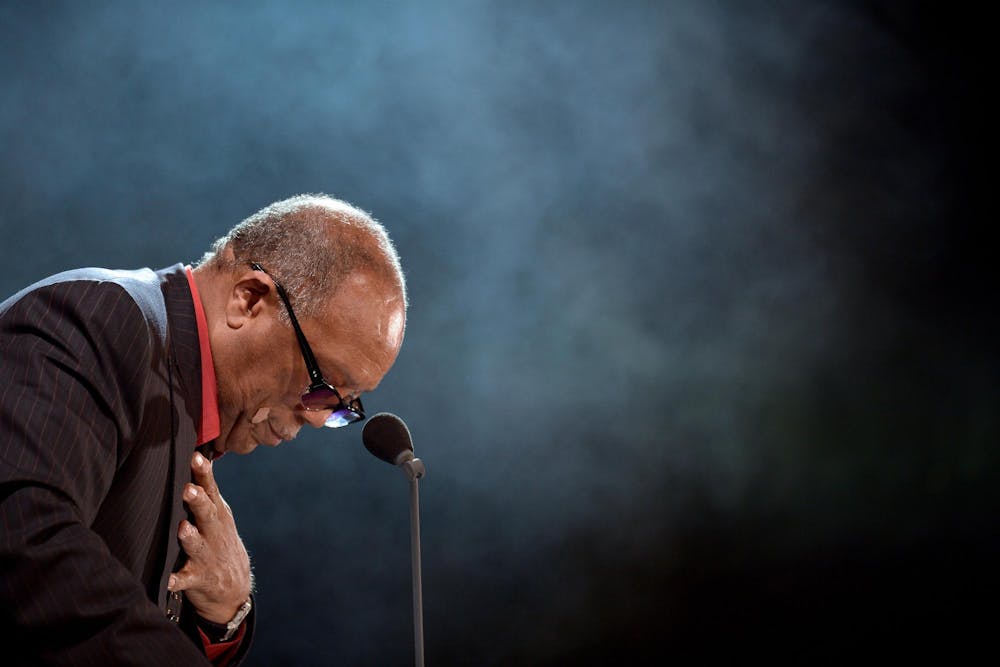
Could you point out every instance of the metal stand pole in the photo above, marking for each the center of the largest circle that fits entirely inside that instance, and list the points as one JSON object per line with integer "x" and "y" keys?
{"x": 414, "y": 470}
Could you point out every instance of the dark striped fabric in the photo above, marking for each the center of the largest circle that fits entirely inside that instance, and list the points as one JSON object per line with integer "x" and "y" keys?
{"x": 100, "y": 394}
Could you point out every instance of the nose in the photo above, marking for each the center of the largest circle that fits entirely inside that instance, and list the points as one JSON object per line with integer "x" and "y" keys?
{"x": 315, "y": 418}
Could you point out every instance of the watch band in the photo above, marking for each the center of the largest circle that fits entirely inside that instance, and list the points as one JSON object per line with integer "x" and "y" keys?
{"x": 234, "y": 625}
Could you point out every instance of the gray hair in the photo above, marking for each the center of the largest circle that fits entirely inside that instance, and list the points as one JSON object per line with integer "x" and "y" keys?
{"x": 310, "y": 243}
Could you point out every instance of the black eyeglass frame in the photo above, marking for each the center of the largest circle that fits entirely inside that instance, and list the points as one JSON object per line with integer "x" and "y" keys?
{"x": 354, "y": 410}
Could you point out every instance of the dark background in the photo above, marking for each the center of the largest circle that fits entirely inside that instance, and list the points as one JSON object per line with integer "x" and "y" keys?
{"x": 702, "y": 349}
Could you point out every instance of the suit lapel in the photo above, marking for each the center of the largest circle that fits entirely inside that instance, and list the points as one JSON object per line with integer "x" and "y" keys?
{"x": 184, "y": 370}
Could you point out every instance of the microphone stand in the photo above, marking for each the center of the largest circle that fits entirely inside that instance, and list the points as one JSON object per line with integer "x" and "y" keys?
{"x": 413, "y": 468}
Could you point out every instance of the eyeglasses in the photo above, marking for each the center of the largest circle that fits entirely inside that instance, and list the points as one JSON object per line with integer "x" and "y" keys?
{"x": 320, "y": 395}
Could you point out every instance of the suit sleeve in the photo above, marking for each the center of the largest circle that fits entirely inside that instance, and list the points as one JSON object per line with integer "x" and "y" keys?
{"x": 66, "y": 354}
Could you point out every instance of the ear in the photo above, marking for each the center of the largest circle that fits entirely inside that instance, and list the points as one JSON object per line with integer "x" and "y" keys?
{"x": 252, "y": 295}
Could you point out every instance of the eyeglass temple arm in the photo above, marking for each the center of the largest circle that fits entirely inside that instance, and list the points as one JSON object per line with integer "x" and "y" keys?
{"x": 311, "y": 366}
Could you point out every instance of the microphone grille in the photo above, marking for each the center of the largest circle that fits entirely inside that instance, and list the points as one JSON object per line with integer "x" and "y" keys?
{"x": 385, "y": 435}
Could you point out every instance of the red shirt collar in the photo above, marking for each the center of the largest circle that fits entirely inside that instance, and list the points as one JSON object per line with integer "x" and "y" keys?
{"x": 208, "y": 427}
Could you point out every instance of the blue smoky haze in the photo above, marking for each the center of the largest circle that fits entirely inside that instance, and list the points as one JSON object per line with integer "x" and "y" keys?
{"x": 701, "y": 355}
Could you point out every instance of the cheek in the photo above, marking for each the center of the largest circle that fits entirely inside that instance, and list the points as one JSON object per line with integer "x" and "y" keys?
{"x": 273, "y": 381}
{"x": 280, "y": 388}
{"x": 293, "y": 389}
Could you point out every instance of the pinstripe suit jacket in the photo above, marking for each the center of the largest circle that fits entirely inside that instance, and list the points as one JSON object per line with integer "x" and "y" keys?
{"x": 100, "y": 394}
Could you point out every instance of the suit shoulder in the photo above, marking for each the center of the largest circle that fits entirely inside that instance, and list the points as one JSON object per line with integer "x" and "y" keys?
{"x": 93, "y": 288}
{"x": 89, "y": 303}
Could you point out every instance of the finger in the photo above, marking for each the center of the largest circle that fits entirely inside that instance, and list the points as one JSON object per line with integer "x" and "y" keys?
{"x": 201, "y": 505}
{"x": 183, "y": 580}
{"x": 191, "y": 539}
{"x": 202, "y": 469}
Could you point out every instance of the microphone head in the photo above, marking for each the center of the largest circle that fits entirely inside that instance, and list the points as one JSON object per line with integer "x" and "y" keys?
{"x": 385, "y": 435}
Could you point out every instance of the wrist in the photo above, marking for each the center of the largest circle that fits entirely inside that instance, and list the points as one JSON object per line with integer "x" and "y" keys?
{"x": 220, "y": 613}
{"x": 221, "y": 631}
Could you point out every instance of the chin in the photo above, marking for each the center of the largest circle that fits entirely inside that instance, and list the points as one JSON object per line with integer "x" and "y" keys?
{"x": 246, "y": 448}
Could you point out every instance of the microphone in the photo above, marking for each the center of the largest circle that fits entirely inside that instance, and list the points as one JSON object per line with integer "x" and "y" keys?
{"x": 385, "y": 435}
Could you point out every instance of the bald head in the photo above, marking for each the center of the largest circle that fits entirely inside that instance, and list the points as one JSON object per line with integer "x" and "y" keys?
{"x": 313, "y": 244}
{"x": 341, "y": 275}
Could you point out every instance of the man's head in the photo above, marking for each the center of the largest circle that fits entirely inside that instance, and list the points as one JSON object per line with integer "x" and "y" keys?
{"x": 343, "y": 280}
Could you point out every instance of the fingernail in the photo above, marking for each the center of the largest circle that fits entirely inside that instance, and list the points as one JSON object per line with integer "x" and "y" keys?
{"x": 171, "y": 582}
{"x": 199, "y": 460}
{"x": 190, "y": 493}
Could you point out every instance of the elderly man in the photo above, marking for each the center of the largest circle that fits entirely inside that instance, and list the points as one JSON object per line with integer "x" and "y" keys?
{"x": 118, "y": 390}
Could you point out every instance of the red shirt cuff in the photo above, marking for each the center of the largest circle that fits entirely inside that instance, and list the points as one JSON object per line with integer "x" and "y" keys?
{"x": 220, "y": 654}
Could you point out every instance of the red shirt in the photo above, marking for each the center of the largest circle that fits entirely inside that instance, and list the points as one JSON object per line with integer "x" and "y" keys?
{"x": 208, "y": 427}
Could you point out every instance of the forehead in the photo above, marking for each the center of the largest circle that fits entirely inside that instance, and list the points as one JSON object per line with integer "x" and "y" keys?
{"x": 358, "y": 336}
